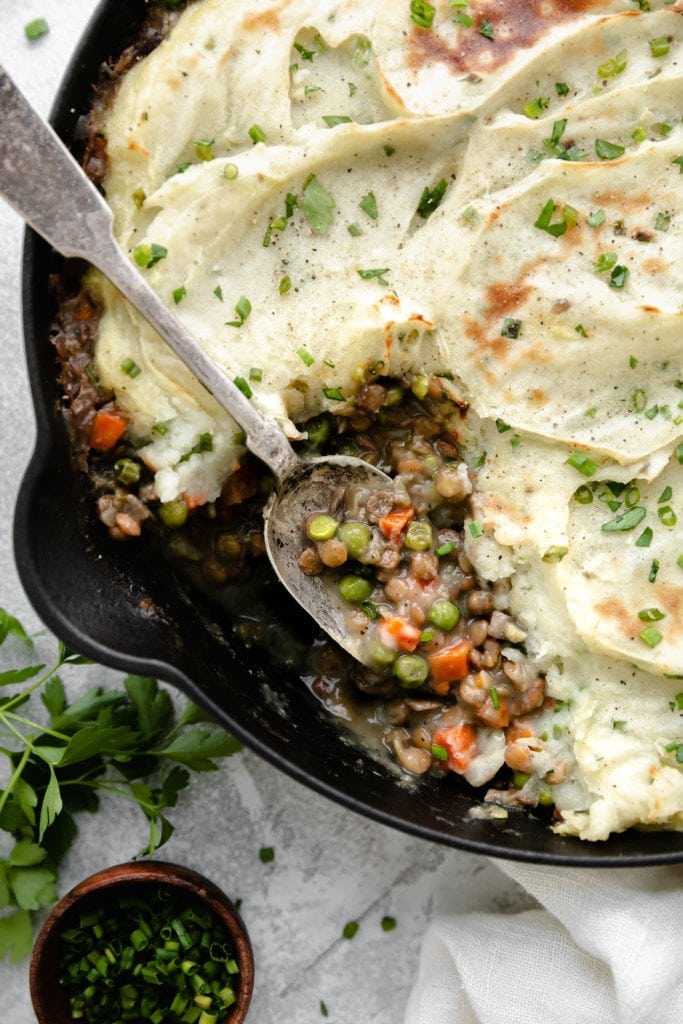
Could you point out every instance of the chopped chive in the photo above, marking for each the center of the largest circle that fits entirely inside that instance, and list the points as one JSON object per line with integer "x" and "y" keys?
{"x": 305, "y": 356}
{"x": 625, "y": 521}
{"x": 475, "y": 529}
{"x": 654, "y": 569}
{"x": 662, "y": 222}
{"x": 257, "y": 134}
{"x": 614, "y": 66}
{"x": 422, "y": 13}
{"x": 561, "y": 88}
{"x": 324, "y": 1012}
{"x": 350, "y": 929}
{"x": 179, "y": 294}
{"x": 555, "y": 554}
{"x": 388, "y": 924}
{"x": 619, "y": 725}
{"x": 390, "y": 150}
{"x": 659, "y": 47}
{"x": 284, "y": 285}
{"x": 204, "y": 149}
{"x": 439, "y": 753}
{"x": 666, "y": 495}
{"x": 243, "y": 386}
{"x": 580, "y": 329}
{"x": 645, "y": 538}
{"x": 582, "y": 462}
{"x": 131, "y": 368}
{"x": 651, "y": 615}
{"x": 218, "y": 292}
{"x": 138, "y": 197}
{"x": 266, "y": 854}
{"x": 678, "y": 160}
{"x": 667, "y": 516}
{"x": 445, "y": 549}
{"x": 651, "y": 636}
{"x": 36, "y": 29}
{"x": 486, "y": 29}
{"x": 354, "y": 230}
{"x": 493, "y": 693}
{"x": 256, "y": 374}
{"x": 230, "y": 172}
{"x": 464, "y": 19}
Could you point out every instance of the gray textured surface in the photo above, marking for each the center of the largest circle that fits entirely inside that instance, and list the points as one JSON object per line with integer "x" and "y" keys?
{"x": 330, "y": 865}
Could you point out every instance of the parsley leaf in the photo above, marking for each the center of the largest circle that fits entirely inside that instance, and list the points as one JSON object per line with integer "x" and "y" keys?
{"x": 317, "y": 205}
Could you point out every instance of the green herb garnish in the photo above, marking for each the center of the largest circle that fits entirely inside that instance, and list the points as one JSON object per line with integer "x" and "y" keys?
{"x": 431, "y": 199}
{"x": 36, "y": 29}
{"x": 317, "y": 205}
{"x": 148, "y": 254}
{"x": 368, "y": 204}
{"x": 422, "y": 13}
{"x": 242, "y": 311}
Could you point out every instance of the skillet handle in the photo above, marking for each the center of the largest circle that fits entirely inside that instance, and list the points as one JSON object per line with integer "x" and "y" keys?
{"x": 42, "y": 181}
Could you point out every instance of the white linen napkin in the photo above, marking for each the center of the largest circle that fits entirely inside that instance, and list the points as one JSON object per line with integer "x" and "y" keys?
{"x": 606, "y": 947}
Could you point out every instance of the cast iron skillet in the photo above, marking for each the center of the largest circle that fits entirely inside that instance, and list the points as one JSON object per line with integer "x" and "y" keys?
{"x": 119, "y": 604}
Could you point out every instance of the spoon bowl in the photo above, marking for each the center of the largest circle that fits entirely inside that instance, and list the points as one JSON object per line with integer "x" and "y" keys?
{"x": 58, "y": 200}
{"x": 308, "y": 489}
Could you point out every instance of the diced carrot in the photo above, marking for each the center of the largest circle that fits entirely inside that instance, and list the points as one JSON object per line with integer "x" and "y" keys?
{"x": 451, "y": 663}
{"x": 460, "y": 742}
{"x": 107, "y": 429}
{"x": 394, "y": 523}
{"x": 494, "y": 717}
{"x": 398, "y": 632}
{"x": 194, "y": 500}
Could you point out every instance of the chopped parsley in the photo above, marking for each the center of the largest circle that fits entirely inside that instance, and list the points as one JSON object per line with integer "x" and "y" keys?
{"x": 535, "y": 108}
{"x": 317, "y": 205}
{"x": 511, "y": 328}
{"x": 266, "y": 854}
{"x": 368, "y": 204}
{"x": 486, "y": 29}
{"x": 179, "y": 294}
{"x": 242, "y": 311}
{"x": 218, "y": 292}
{"x": 562, "y": 88}
{"x": 605, "y": 261}
{"x": 619, "y": 277}
{"x": 332, "y": 120}
{"x": 147, "y": 255}
{"x": 284, "y": 285}
{"x": 367, "y": 275}
{"x": 594, "y": 220}
{"x": 645, "y": 538}
{"x": 350, "y": 929}
{"x": 608, "y": 150}
{"x": 388, "y": 924}
{"x": 354, "y": 230}
{"x": 431, "y": 199}
{"x": 580, "y": 329}
{"x": 543, "y": 222}
{"x": 678, "y": 160}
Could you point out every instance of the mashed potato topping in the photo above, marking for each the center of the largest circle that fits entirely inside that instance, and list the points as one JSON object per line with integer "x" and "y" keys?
{"x": 488, "y": 190}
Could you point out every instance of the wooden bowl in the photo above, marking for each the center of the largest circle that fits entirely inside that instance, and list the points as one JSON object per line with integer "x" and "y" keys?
{"x": 50, "y": 1001}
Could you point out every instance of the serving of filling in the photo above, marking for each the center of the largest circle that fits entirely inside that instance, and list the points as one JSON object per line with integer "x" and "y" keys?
{"x": 447, "y": 238}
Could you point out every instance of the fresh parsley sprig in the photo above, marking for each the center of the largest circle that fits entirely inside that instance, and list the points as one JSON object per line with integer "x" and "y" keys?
{"x": 126, "y": 742}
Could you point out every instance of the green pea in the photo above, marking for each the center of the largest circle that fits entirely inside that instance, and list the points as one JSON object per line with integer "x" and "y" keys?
{"x": 322, "y": 528}
{"x": 355, "y": 589}
{"x": 356, "y": 536}
{"x": 411, "y": 670}
{"x": 380, "y": 656}
{"x": 418, "y": 536}
{"x": 545, "y": 798}
{"x": 520, "y": 779}
{"x": 444, "y": 614}
{"x": 173, "y": 514}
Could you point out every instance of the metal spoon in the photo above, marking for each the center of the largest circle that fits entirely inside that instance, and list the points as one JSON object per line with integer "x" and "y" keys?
{"x": 43, "y": 182}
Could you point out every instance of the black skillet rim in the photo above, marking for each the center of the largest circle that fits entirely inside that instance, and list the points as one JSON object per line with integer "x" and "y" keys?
{"x": 50, "y": 462}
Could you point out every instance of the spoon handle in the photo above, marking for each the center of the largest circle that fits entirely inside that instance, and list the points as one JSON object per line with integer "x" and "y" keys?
{"x": 45, "y": 185}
